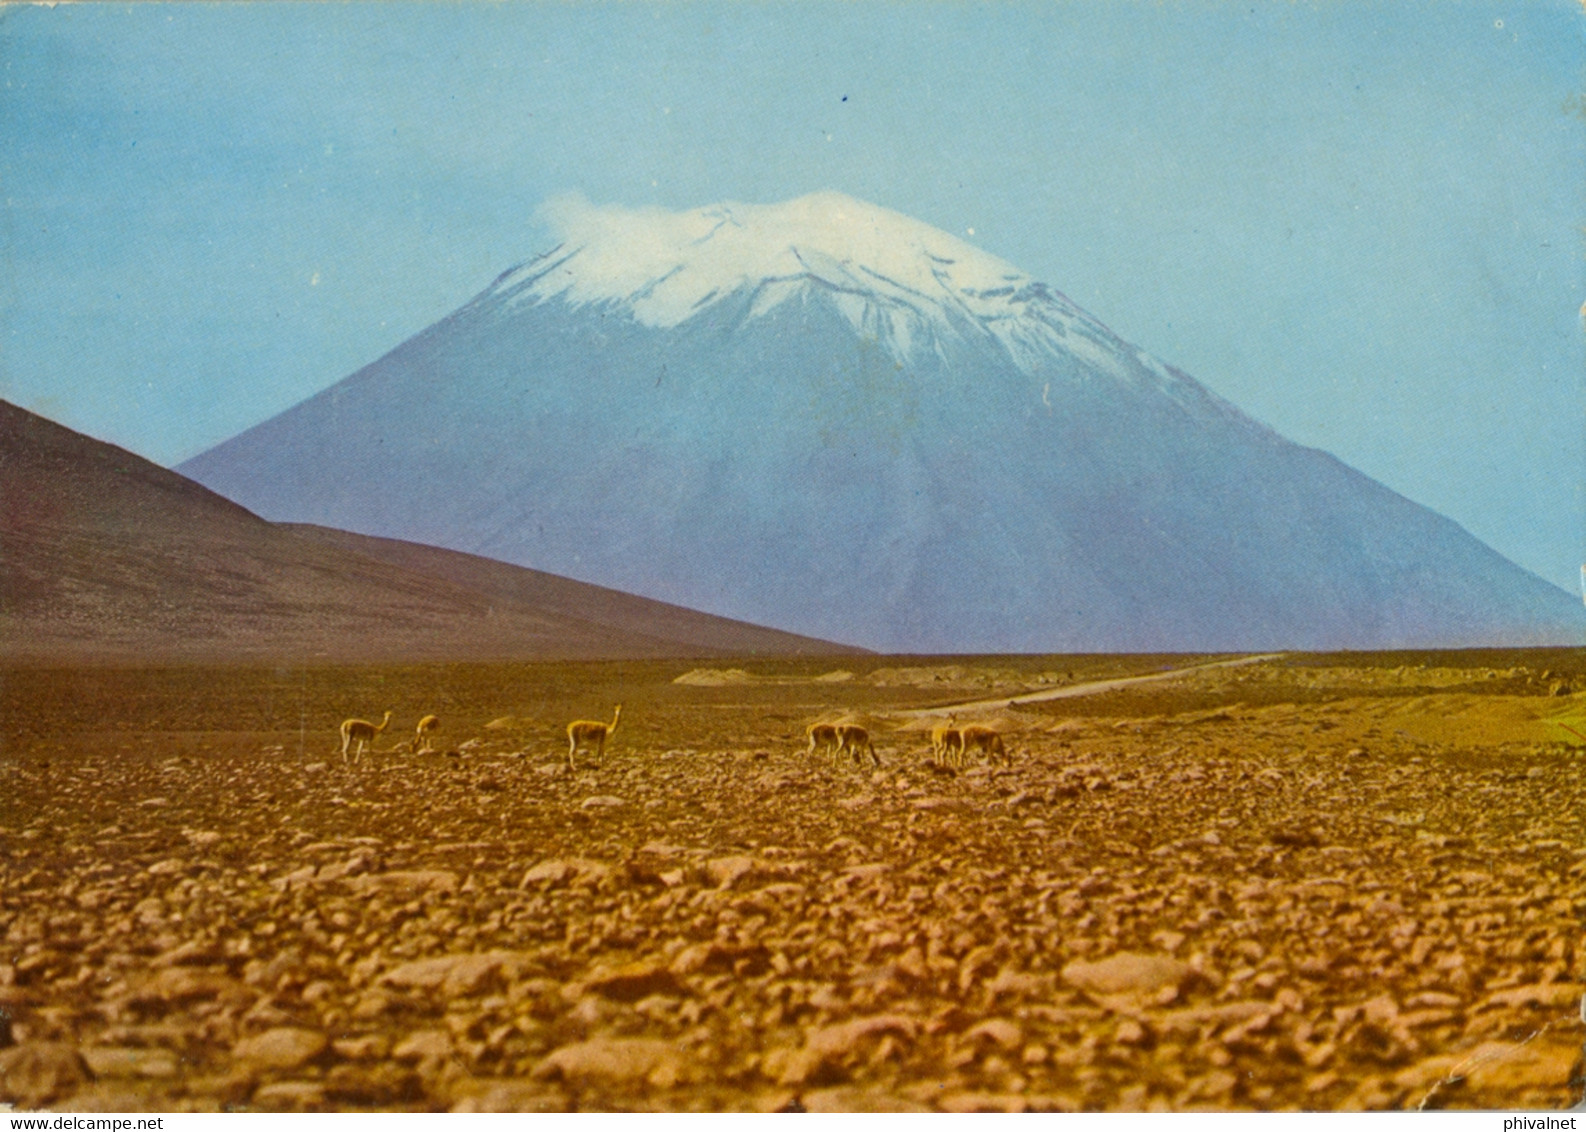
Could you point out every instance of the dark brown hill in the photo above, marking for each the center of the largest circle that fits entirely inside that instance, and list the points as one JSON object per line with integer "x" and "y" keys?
{"x": 104, "y": 555}
{"x": 698, "y": 634}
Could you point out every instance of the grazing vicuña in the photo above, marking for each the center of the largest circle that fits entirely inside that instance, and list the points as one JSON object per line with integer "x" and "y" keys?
{"x": 822, "y": 739}
{"x": 985, "y": 739}
{"x": 855, "y": 740}
{"x": 421, "y": 734}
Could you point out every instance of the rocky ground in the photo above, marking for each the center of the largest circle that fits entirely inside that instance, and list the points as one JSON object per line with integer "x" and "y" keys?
{"x": 1310, "y": 883}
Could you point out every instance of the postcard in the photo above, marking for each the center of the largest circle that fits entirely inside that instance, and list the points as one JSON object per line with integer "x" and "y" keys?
{"x": 754, "y": 557}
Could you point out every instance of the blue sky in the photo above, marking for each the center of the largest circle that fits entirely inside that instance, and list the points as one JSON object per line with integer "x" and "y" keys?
{"x": 1360, "y": 222}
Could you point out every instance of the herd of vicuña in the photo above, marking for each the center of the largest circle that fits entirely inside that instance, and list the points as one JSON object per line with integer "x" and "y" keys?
{"x": 951, "y": 745}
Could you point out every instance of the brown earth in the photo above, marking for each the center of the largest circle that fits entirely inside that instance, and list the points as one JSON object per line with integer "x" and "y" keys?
{"x": 1304, "y": 883}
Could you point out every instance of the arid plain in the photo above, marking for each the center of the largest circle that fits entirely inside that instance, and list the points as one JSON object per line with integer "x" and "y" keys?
{"x": 1302, "y": 882}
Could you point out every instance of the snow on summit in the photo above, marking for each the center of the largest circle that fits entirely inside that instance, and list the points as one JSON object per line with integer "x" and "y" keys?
{"x": 893, "y": 277}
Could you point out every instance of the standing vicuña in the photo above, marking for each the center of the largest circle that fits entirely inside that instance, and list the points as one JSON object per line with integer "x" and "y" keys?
{"x": 362, "y": 732}
{"x": 421, "y": 734}
{"x": 986, "y": 739}
{"x": 947, "y": 743}
{"x": 589, "y": 734}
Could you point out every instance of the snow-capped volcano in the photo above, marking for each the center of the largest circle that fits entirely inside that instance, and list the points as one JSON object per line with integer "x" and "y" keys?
{"x": 830, "y": 418}
{"x": 670, "y": 266}
{"x": 907, "y": 286}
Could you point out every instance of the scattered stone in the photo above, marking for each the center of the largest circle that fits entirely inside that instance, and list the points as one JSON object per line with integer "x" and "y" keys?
{"x": 384, "y": 1084}
{"x": 425, "y": 1045}
{"x": 869, "y": 871}
{"x": 371, "y": 1004}
{"x": 830, "y": 1046}
{"x": 1535, "y": 994}
{"x": 511, "y": 1096}
{"x": 284, "y": 1047}
{"x": 724, "y": 872}
{"x": 575, "y": 870}
{"x": 129, "y": 1061}
{"x": 1548, "y": 1061}
{"x": 658, "y": 1063}
{"x": 181, "y": 986}
{"x": 548, "y": 872}
{"x": 1128, "y": 974}
{"x": 367, "y": 1047}
{"x": 1021, "y": 983}
{"x": 1168, "y": 941}
{"x": 290, "y": 1096}
{"x": 1131, "y": 1033}
{"x": 1000, "y": 1031}
{"x": 634, "y": 981}
{"x": 717, "y": 958}
{"x": 417, "y": 880}
{"x": 850, "y": 1099}
{"x": 37, "y": 1073}
{"x": 966, "y": 1101}
{"x": 455, "y": 975}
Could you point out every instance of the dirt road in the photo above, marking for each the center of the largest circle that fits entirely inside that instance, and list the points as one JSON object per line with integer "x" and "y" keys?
{"x": 1072, "y": 691}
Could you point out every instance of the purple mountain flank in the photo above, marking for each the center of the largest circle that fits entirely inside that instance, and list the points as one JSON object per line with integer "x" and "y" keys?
{"x": 831, "y": 418}
{"x": 105, "y": 556}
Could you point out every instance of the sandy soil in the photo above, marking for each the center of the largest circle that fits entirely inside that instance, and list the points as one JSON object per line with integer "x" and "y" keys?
{"x": 1303, "y": 883}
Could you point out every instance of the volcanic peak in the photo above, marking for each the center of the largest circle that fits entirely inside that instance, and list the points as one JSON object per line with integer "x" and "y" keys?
{"x": 909, "y": 285}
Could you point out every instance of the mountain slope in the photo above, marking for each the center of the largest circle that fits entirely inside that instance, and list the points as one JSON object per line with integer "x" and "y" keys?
{"x": 103, "y": 554}
{"x": 643, "y": 626}
{"x": 837, "y": 420}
